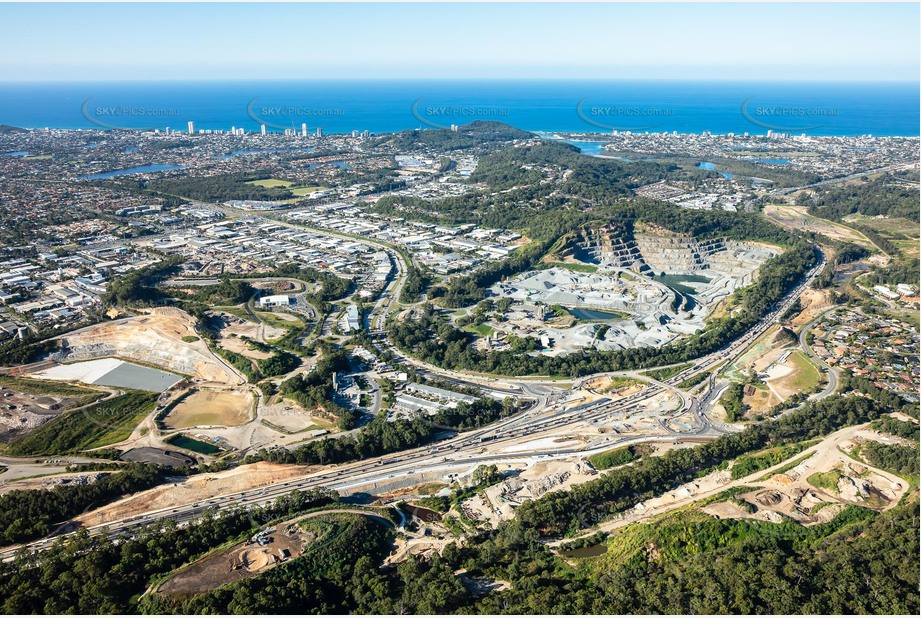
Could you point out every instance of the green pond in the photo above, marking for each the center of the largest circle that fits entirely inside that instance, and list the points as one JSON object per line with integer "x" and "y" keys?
{"x": 678, "y": 282}
{"x": 591, "y": 314}
{"x": 194, "y": 445}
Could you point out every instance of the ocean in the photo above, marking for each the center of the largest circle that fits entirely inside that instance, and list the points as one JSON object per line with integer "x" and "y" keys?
{"x": 381, "y": 106}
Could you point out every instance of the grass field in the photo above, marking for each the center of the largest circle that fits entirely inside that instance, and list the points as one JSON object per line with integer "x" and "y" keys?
{"x": 579, "y": 268}
{"x": 606, "y": 384}
{"x": 270, "y": 183}
{"x": 481, "y": 329}
{"x": 896, "y": 225}
{"x": 615, "y": 457}
{"x": 804, "y": 377}
{"x": 825, "y": 480}
{"x": 796, "y": 217}
{"x": 47, "y": 387}
{"x": 903, "y": 233}
{"x": 667, "y": 372}
{"x": 283, "y": 321}
{"x": 106, "y": 423}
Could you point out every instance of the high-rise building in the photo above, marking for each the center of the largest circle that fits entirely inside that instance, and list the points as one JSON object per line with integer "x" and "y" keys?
{"x": 263, "y": 129}
{"x": 191, "y": 128}
{"x": 319, "y": 132}
{"x": 366, "y": 134}
{"x": 355, "y": 133}
{"x": 303, "y": 129}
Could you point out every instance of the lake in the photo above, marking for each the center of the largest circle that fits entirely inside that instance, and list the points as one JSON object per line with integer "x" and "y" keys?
{"x": 586, "y": 552}
{"x": 582, "y": 313}
{"x": 711, "y": 167}
{"x": 339, "y": 164}
{"x": 141, "y": 169}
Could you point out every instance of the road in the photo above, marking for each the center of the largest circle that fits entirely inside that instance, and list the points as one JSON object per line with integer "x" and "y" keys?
{"x": 832, "y": 373}
{"x": 749, "y": 206}
{"x": 467, "y": 450}
{"x": 463, "y": 452}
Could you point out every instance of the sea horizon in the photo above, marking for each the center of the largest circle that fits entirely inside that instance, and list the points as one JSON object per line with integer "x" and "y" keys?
{"x": 600, "y": 106}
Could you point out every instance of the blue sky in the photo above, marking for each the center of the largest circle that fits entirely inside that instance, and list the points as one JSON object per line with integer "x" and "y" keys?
{"x": 822, "y": 41}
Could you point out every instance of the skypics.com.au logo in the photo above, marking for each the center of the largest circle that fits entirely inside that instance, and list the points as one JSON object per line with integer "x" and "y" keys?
{"x": 621, "y": 117}
{"x": 429, "y": 114}
{"x": 284, "y": 117}
{"x": 787, "y": 118}
{"x": 128, "y": 117}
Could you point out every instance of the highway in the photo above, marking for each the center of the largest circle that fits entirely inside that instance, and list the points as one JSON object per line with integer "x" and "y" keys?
{"x": 462, "y": 452}
{"x": 468, "y": 449}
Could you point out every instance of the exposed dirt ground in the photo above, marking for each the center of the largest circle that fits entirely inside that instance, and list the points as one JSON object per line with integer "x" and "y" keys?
{"x": 22, "y": 412}
{"x": 291, "y": 417}
{"x": 241, "y": 561}
{"x": 235, "y": 344}
{"x": 813, "y": 302}
{"x": 156, "y": 339}
{"x": 761, "y": 354}
{"x": 796, "y": 217}
{"x": 208, "y": 407}
{"x": 792, "y": 495}
{"x": 245, "y": 328}
{"x": 759, "y": 400}
{"x": 530, "y": 483}
{"x": 781, "y": 494}
{"x": 56, "y": 476}
{"x": 193, "y": 489}
{"x": 425, "y": 547}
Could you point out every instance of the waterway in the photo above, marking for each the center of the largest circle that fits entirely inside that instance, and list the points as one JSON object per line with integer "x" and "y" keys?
{"x": 141, "y": 169}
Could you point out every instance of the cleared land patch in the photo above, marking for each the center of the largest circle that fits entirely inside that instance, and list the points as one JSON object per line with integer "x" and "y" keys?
{"x": 26, "y": 404}
{"x": 105, "y": 423}
{"x": 260, "y": 553}
{"x": 114, "y": 372}
{"x": 195, "y": 488}
{"x": 803, "y": 376}
{"x": 796, "y": 217}
{"x": 154, "y": 339}
{"x": 207, "y": 407}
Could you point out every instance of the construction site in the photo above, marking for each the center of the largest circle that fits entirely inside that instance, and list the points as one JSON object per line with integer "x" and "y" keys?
{"x": 163, "y": 337}
{"x": 268, "y": 548}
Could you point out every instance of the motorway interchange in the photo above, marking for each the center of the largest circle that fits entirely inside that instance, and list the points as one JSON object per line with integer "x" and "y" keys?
{"x": 463, "y": 452}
